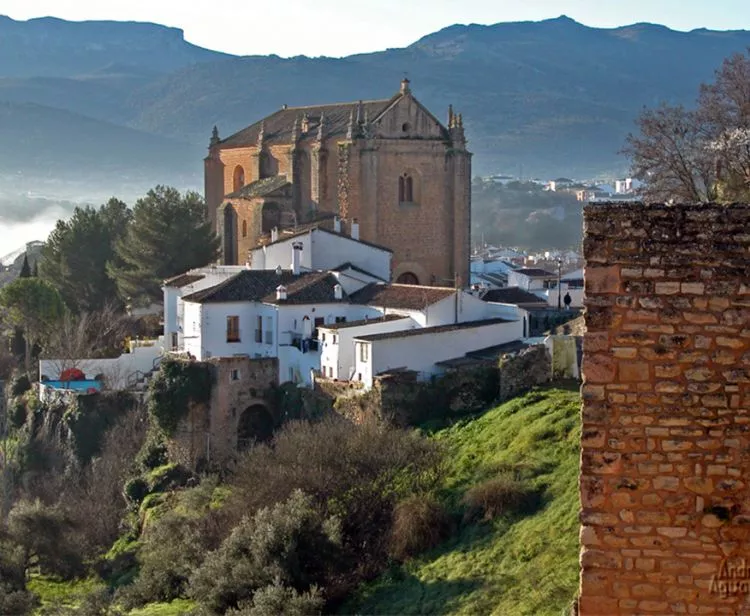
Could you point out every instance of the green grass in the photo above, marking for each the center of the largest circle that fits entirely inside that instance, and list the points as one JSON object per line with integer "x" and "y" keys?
{"x": 511, "y": 566}
{"x": 175, "y": 608}
{"x": 59, "y": 593}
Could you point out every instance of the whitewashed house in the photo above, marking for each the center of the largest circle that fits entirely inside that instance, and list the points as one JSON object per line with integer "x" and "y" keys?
{"x": 532, "y": 279}
{"x": 323, "y": 249}
{"x": 311, "y": 319}
{"x": 423, "y": 349}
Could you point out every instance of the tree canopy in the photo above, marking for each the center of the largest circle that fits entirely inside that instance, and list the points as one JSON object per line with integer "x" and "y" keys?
{"x": 701, "y": 154}
{"x": 75, "y": 257}
{"x": 169, "y": 234}
{"x": 33, "y": 305}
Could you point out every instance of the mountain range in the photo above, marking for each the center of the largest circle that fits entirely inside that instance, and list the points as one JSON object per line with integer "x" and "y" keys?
{"x": 98, "y": 100}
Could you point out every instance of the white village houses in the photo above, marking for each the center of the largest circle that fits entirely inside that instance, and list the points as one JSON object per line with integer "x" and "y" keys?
{"x": 319, "y": 301}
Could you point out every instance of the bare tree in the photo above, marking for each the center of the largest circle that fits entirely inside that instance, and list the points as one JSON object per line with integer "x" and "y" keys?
{"x": 89, "y": 335}
{"x": 671, "y": 156}
{"x": 701, "y": 154}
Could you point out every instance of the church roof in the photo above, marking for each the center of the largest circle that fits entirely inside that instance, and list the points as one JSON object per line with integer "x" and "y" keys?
{"x": 277, "y": 127}
{"x": 260, "y": 188}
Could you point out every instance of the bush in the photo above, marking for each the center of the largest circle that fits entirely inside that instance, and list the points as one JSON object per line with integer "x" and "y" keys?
{"x": 176, "y": 386}
{"x": 354, "y": 472}
{"x": 44, "y": 534}
{"x": 289, "y": 544}
{"x": 154, "y": 452}
{"x": 20, "y": 385}
{"x": 17, "y": 414}
{"x": 168, "y": 477}
{"x": 136, "y": 490}
{"x": 278, "y": 600}
{"x": 505, "y": 494}
{"x": 419, "y": 523}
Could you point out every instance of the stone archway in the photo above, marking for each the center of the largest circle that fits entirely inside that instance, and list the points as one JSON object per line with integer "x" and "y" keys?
{"x": 408, "y": 278}
{"x": 255, "y": 425}
{"x": 410, "y": 272}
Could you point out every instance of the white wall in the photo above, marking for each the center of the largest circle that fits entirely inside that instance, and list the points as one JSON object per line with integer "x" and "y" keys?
{"x": 339, "y": 355}
{"x": 117, "y": 371}
{"x": 173, "y": 308}
{"x": 324, "y": 251}
{"x": 421, "y": 353}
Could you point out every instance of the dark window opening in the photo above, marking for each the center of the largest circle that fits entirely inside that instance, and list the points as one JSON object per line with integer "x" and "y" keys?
{"x": 233, "y": 329}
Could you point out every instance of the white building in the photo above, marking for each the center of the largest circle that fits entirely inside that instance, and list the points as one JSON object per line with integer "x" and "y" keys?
{"x": 423, "y": 349}
{"x": 309, "y": 319}
{"x": 324, "y": 250}
{"x": 532, "y": 279}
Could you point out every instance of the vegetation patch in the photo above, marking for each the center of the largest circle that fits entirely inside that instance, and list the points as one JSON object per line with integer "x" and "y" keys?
{"x": 176, "y": 386}
{"x": 514, "y": 563}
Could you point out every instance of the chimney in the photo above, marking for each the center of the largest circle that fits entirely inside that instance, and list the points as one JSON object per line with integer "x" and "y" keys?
{"x": 354, "y": 232}
{"x": 274, "y": 234}
{"x": 281, "y": 292}
{"x": 296, "y": 257}
{"x": 338, "y": 292}
{"x": 337, "y": 224}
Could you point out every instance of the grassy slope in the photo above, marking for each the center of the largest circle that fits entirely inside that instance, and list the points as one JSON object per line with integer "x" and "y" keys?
{"x": 527, "y": 566}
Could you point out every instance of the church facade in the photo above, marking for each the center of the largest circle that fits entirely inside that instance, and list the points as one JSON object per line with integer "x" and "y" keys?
{"x": 388, "y": 169}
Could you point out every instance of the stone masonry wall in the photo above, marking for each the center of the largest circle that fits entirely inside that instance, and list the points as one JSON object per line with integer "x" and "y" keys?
{"x": 665, "y": 460}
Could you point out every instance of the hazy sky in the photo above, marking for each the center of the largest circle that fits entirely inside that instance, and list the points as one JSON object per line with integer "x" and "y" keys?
{"x": 342, "y": 27}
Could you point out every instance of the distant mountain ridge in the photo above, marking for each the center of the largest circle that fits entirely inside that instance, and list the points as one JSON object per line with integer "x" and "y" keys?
{"x": 544, "y": 98}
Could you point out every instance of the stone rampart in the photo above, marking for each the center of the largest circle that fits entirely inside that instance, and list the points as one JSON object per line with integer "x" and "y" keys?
{"x": 665, "y": 460}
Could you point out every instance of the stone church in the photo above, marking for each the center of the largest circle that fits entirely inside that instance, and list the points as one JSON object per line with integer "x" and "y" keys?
{"x": 386, "y": 169}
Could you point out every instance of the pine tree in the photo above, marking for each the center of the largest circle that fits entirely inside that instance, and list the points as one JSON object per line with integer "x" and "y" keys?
{"x": 25, "y": 269}
{"x": 75, "y": 257}
{"x": 169, "y": 234}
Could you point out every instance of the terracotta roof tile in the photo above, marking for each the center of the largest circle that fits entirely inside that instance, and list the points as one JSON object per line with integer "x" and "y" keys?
{"x": 260, "y": 286}
{"x": 429, "y": 331}
{"x": 361, "y": 322}
{"x": 404, "y": 296}
{"x": 182, "y": 280}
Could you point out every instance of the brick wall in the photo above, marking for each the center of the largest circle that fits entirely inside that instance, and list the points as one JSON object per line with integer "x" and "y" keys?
{"x": 665, "y": 458}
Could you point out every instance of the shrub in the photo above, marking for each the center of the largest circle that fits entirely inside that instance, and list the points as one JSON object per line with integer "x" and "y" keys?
{"x": 279, "y": 600}
{"x": 154, "y": 452}
{"x": 176, "y": 386}
{"x": 136, "y": 490}
{"x": 354, "y": 472}
{"x": 17, "y": 414}
{"x": 44, "y": 534}
{"x": 168, "y": 477}
{"x": 171, "y": 549}
{"x": 419, "y": 523}
{"x": 505, "y": 494}
{"x": 289, "y": 544}
{"x": 20, "y": 385}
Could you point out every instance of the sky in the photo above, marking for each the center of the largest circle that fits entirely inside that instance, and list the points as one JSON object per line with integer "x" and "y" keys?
{"x": 343, "y": 27}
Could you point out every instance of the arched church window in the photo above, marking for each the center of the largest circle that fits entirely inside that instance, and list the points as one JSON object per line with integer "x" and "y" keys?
{"x": 244, "y": 228}
{"x": 239, "y": 177}
{"x": 405, "y": 188}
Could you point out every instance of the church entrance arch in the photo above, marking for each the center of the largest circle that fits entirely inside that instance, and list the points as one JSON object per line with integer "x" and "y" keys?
{"x": 407, "y": 278}
{"x": 254, "y": 426}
